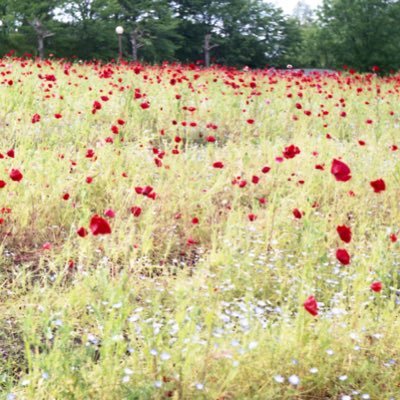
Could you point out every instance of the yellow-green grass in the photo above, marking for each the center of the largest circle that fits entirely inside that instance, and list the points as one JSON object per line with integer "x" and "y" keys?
{"x": 166, "y": 308}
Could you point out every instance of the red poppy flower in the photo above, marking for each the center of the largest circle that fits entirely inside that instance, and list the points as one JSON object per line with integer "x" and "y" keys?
{"x": 343, "y": 256}
{"x": 297, "y": 213}
{"x": 138, "y": 190}
{"x": 191, "y": 241}
{"x": 82, "y": 232}
{"x": 35, "y": 118}
{"x": 376, "y": 286}
{"x": 252, "y": 217}
{"x": 218, "y": 164}
{"x": 46, "y": 246}
{"x": 344, "y": 233}
{"x": 291, "y": 151}
{"x": 16, "y": 175}
{"x": 311, "y": 305}
{"x": 378, "y": 185}
{"x": 265, "y": 170}
{"x": 340, "y": 170}
{"x": 136, "y": 211}
{"x": 2, "y": 184}
{"x": 96, "y": 105}
{"x": 99, "y": 226}
{"x": 11, "y": 153}
{"x": 89, "y": 153}
{"x": 147, "y": 190}
{"x": 109, "y": 213}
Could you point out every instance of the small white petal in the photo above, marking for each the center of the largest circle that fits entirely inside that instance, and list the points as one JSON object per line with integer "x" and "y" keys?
{"x": 252, "y": 345}
{"x": 199, "y": 386}
{"x": 128, "y": 371}
{"x": 294, "y": 380}
{"x": 165, "y": 356}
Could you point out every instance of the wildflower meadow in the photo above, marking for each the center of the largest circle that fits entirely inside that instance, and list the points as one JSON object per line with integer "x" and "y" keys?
{"x": 183, "y": 232}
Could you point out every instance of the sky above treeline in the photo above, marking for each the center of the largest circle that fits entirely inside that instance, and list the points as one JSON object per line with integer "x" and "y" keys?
{"x": 289, "y": 5}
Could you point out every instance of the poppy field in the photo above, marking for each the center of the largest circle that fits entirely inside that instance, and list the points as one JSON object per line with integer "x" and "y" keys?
{"x": 187, "y": 233}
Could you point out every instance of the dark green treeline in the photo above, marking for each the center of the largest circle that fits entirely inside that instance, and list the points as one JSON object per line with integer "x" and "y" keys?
{"x": 358, "y": 33}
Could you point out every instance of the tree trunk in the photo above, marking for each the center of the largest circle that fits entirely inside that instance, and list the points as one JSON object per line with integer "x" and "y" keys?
{"x": 134, "y": 46}
{"x": 41, "y": 46}
{"x": 135, "y": 36}
{"x": 207, "y": 48}
{"x": 41, "y": 34}
{"x": 207, "y": 39}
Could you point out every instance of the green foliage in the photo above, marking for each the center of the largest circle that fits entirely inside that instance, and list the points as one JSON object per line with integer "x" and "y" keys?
{"x": 358, "y": 33}
{"x": 245, "y": 32}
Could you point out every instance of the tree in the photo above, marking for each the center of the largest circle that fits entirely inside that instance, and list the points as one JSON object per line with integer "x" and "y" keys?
{"x": 270, "y": 33}
{"x": 88, "y": 22}
{"x": 303, "y": 13}
{"x": 240, "y": 32}
{"x": 200, "y": 20}
{"x": 37, "y": 15}
{"x": 307, "y": 48}
{"x": 362, "y": 33}
{"x": 151, "y": 27}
